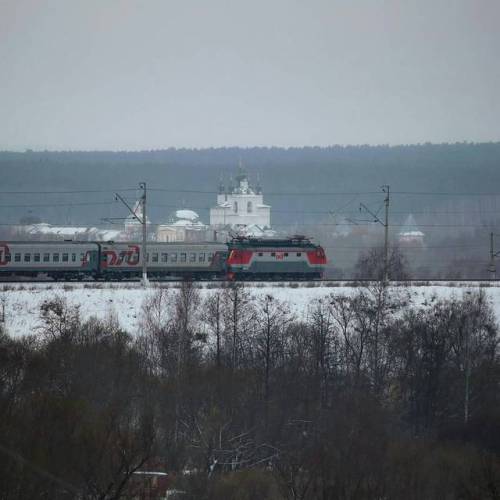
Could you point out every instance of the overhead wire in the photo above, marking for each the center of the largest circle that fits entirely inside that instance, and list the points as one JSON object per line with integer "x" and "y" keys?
{"x": 267, "y": 193}
{"x": 330, "y": 213}
{"x": 55, "y": 205}
{"x": 284, "y": 211}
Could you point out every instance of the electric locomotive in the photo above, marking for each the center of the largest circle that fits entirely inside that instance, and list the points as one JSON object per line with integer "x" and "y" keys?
{"x": 295, "y": 258}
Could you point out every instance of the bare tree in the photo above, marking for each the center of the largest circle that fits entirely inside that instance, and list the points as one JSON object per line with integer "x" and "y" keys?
{"x": 370, "y": 265}
{"x": 346, "y": 321}
{"x": 186, "y": 324}
{"x": 323, "y": 348}
{"x": 273, "y": 316}
{"x": 473, "y": 341}
{"x": 155, "y": 340}
{"x": 238, "y": 315}
{"x": 213, "y": 317}
{"x": 59, "y": 320}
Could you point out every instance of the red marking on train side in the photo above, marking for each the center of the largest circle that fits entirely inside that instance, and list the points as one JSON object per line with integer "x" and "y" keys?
{"x": 3, "y": 254}
{"x": 111, "y": 261}
{"x": 316, "y": 257}
{"x": 133, "y": 255}
{"x": 239, "y": 257}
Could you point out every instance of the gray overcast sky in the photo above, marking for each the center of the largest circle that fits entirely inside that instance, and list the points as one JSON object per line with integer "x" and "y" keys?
{"x": 123, "y": 74}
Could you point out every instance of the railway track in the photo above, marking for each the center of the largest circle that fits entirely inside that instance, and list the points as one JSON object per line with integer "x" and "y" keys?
{"x": 301, "y": 283}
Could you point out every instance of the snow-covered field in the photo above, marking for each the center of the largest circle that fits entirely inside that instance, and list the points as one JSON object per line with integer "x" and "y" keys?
{"x": 123, "y": 301}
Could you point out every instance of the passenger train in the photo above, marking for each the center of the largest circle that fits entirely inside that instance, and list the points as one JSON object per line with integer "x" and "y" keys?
{"x": 240, "y": 259}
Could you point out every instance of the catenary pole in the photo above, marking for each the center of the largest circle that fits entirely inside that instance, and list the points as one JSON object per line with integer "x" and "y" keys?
{"x": 493, "y": 254}
{"x": 385, "y": 223}
{"x": 142, "y": 220}
{"x": 145, "y": 281}
{"x": 386, "y": 190}
{"x": 492, "y": 258}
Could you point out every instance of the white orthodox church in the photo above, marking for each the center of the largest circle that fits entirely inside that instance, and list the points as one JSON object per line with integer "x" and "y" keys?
{"x": 240, "y": 205}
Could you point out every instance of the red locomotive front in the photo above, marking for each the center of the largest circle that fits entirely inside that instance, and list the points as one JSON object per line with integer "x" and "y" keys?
{"x": 295, "y": 258}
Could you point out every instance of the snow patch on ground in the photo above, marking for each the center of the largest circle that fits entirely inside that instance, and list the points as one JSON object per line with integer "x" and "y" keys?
{"x": 124, "y": 301}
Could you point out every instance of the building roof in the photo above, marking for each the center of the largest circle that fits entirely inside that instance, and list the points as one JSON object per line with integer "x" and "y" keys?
{"x": 410, "y": 228}
{"x": 186, "y": 222}
{"x": 184, "y": 218}
{"x": 45, "y": 228}
{"x": 255, "y": 230}
{"x": 187, "y": 215}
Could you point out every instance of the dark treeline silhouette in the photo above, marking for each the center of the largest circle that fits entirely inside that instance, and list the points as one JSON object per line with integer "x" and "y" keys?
{"x": 239, "y": 398}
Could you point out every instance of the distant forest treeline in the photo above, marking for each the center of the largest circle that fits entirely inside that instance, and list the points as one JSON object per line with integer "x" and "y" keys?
{"x": 459, "y": 167}
{"x": 304, "y": 186}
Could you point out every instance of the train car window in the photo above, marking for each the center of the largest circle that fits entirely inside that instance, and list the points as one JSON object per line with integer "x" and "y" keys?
{"x": 7, "y": 257}
{"x": 27, "y": 257}
{"x": 201, "y": 257}
{"x": 17, "y": 257}
{"x": 210, "y": 257}
{"x": 173, "y": 257}
{"x": 183, "y": 257}
{"x": 82, "y": 257}
{"x": 273, "y": 254}
{"x": 164, "y": 257}
{"x": 73, "y": 257}
{"x": 192, "y": 257}
{"x": 36, "y": 257}
{"x": 65, "y": 257}
{"x": 299, "y": 254}
{"x": 55, "y": 257}
{"x": 286, "y": 254}
{"x": 260, "y": 254}
{"x": 155, "y": 257}
{"x": 46, "y": 257}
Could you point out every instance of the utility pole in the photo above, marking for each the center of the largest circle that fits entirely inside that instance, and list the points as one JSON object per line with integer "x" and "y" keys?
{"x": 386, "y": 190}
{"x": 142, "y": 220}
{"x": 145, "y": 282}
{"x": 493, "y": 254}
{"x": 385, "y": 223}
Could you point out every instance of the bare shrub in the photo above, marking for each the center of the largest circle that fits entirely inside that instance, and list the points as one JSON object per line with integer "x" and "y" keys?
{"x": 59, "y": 320}
{"x": 370, "y": 265}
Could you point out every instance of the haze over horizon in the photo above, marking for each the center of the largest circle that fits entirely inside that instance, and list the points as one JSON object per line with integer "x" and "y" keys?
{"x": 123, "y": 75}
